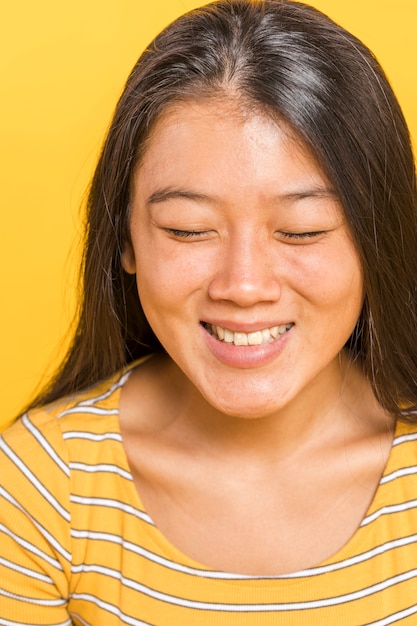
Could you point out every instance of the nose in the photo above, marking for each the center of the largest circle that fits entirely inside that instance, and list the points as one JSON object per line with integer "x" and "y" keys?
{"x": 246, "y": 271}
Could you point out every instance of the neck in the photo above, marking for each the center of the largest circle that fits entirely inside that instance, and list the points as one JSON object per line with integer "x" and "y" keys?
{"x": 329, "y": 410}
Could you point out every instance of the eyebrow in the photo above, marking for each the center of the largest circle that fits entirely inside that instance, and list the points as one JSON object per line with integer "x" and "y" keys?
{"x": 169, "y": 193}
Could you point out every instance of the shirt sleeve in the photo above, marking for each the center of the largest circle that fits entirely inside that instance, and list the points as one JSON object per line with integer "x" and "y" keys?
{"x": 35, "y": 547}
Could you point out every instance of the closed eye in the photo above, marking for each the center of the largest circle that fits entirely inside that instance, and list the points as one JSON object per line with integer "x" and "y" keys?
{"x": 301, "y": 236}
{"x": 186, "y": 234}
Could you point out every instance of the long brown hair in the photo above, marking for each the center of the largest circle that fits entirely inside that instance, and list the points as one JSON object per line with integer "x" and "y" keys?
{"x": 292, "y": 61}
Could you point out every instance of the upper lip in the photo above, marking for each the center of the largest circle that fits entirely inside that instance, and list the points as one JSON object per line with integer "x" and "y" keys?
{"x": 247, "y": 327}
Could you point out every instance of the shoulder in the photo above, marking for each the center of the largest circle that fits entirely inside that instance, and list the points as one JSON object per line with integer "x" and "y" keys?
{"x": 50, "y": 423}
{"x": 44, "y": 442}
{"x": 48, "y": 453}
{"x": 54, "y": 462}
{"x": 404, "y": 445}
{"x": 400, "y": 475}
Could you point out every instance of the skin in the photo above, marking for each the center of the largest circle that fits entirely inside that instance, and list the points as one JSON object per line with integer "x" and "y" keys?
{"x": 233, "y": 224}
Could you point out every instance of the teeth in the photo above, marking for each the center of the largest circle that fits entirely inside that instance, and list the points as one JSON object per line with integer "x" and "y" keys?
{"x": 266, "y": 336}
{"x": 220, "y": 332}
{"x": 257, "y": 338}
{"x": 228, "y": 336}
{"x": 240, "y": 339}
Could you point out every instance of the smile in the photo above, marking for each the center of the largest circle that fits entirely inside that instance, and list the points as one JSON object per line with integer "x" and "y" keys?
{"x": 257, "y": 338}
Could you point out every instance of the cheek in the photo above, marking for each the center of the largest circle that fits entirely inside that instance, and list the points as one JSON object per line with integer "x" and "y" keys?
{"x": 165, "y": 285}
{"x": 329, "y": 277}
{"x": 345, "y": 301}
{"x": 346, "y": 273}
{"x": 169, "y": 270}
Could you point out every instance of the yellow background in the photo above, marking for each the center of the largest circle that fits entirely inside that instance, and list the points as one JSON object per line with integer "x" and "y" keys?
{"x": 62, "y": 67}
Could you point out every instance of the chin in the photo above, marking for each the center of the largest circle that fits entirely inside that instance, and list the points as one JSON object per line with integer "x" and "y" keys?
{"x": 246, "y": 411}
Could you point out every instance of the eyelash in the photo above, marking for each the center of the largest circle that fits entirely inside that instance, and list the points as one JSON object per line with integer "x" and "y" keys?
{"x": 307, "y": 235}
{"x": 185, "y": 234}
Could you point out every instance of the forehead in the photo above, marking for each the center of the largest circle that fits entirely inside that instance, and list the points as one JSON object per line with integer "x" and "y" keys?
{"x": 223, "y": 111}
{"x": 210, "y": 132}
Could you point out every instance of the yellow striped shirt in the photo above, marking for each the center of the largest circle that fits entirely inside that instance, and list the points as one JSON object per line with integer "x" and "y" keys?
{"x": 77, "y": 546}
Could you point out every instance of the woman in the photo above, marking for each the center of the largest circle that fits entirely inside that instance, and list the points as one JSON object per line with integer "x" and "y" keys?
{"x": 230, "y": 439}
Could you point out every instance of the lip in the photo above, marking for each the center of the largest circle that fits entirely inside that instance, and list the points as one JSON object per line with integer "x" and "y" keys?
{"x": 245, "y": 357}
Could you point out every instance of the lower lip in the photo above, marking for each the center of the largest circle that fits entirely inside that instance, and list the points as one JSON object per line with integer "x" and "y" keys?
{"x": 245, "y": 357}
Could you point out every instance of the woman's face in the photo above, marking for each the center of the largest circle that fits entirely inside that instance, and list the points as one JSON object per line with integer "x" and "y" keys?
{"x": 245, "y": 266}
